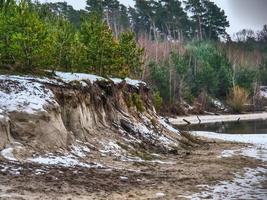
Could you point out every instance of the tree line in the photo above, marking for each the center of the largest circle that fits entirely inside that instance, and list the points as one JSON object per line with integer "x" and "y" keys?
{"x": 110, "y": 39}
{"x": 100, "y": 39}
{"x": 164, "y": 19}
{"x": 36, "y": 36}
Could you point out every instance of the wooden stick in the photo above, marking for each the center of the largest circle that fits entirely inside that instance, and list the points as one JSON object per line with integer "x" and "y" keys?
{"x": 188, "y": 123}
{"x": 199, "y": 120}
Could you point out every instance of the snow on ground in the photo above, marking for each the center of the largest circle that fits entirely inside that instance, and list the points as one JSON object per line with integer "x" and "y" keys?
{"x": 24, "y": 95}
{"x": 205, "y": 119}
{"x": 65, "y": 161}
{"x": 167, "y": 126}
{"x": 116, "y": 80}
{"x": 258, "y": 139}
{"x": 132, "y": 82}
{"x": 160, "y": 195}
{"x": 69, "y": 77}
{"x": 152, "y": 135}
{"x": 135, "y": 83}
{"x": 218, "y": 104}
{"x": 111, "y": 148}
{"x": 14, "y": 170}
{"x": 8, "y": 154}
{"x": 79, "y": 150}
{"x": 263, "y": 91}
{"x": 244, "y": 186}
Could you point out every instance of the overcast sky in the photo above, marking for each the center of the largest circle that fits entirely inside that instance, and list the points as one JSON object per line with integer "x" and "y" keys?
{"x": 249, "y": 14}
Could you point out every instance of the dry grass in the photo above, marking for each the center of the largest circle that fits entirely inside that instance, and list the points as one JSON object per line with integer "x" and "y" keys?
{"x": 237, "y": 99}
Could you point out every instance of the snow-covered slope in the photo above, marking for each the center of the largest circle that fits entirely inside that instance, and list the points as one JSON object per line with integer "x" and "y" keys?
{"x": 20, "y": 94}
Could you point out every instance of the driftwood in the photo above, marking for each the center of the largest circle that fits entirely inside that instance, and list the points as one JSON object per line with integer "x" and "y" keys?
{"x": 188, "y": 123}
{"x": 199, "y": 120}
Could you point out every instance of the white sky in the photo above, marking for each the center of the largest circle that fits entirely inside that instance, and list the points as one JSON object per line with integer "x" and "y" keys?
{"x": 249, "y": 14}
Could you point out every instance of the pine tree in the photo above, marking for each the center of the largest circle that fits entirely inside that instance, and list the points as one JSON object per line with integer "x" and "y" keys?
{"x": 215, "y": 21}
{"x": 96, "y": 7}
{"x": 25, "y": 37}
{"x": 132, "y": 55}
{"x": 171, "y": 19}
{"x": 197, "y": 9}
{"x": 209, "y": 20}
{"x": 124, "y": 20}
{"x": 100, "y": 46}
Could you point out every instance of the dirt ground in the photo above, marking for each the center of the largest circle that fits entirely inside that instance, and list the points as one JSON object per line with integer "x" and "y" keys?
{"x": 180, "y": 177}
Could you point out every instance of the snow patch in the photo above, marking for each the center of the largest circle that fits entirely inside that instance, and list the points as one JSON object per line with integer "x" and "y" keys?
{"x": 256, "y": 152}
{"x": 123, "y": 178}
{"x": 160, "y": 194}
{"x": 111, "y": 147}
{"x": 263, "y": 91}
{"x": 245, "y": 186}
{"x": 14, "y": 170}
{"x": 132, "y": 82}
{"x": 167, "y": 126}
{"x": 79, "y": 150}
{"x": 69, "y": 77}
{"x": 23, "y": 95}
{"x": 135, "y": 83}
{"x": 7, "y": 153}
{"x": 218, "y": 104}
{"x": 258, "y": 139}
{"x": 65, "y": 161}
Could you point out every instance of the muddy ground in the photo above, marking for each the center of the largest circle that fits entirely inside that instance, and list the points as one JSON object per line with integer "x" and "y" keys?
{"x": 175, "y": 179}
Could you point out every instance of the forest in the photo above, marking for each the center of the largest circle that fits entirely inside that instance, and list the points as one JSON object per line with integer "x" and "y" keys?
{"x": 180, "y": 48}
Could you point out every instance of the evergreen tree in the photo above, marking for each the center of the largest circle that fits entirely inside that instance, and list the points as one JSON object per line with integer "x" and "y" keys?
{"x": 96, "y": 7}
{"x": 197, "y": 10}
{"x": 209, "y": 20}
{"x": 100, "y": 46}
{"x": 61, "y": 9}
{"x": 132, "y": 55}
{"x": 171, "y": 19}
{"x": 215, "y": 21}
{"x": 146, "y": 14}
{"x": 124, "y": 19}
{"x": 25, "y": 37}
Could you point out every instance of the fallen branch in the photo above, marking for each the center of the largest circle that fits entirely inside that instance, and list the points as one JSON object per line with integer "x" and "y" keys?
{"x": 199, "y": 120}
{"x": 188, "y": 123}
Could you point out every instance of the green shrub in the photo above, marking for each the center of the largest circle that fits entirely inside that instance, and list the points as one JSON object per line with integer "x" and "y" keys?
{"x": 137, "y": 102}
{"x": 157, "y": 99}
{"x": 129, "y": 101}
{"x": 245, "y": 78}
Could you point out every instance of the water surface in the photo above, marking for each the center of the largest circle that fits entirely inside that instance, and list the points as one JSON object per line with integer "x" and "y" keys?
{"x": 242, "y": 127}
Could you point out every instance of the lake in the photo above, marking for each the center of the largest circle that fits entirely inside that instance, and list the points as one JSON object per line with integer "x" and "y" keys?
{"x": 242, "y": 127}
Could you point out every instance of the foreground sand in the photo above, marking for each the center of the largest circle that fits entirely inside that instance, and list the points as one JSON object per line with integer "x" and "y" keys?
{"x": 178, "y": 178}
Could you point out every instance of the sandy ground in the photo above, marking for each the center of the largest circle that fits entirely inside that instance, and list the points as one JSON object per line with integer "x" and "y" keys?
{"x": 180, "y": 178}
{"x": 217, "y": 118}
